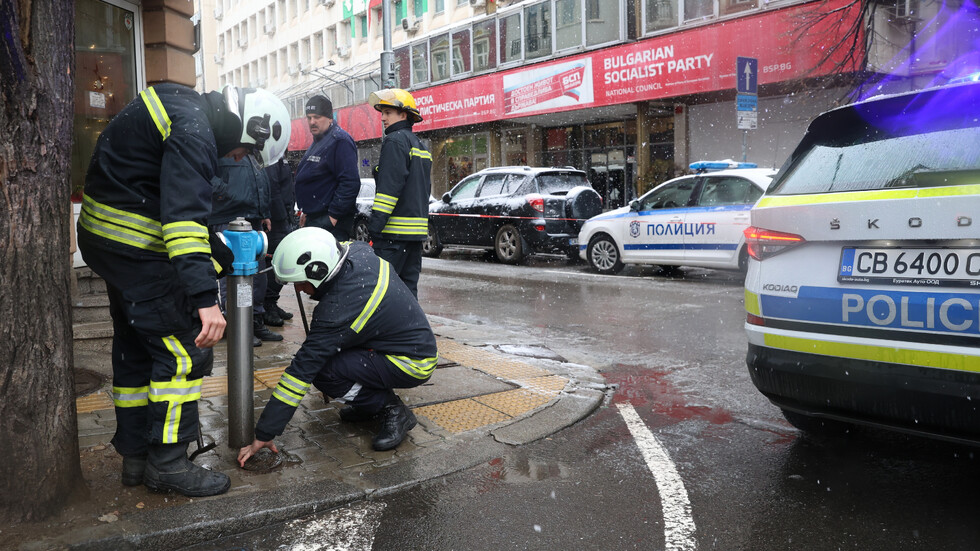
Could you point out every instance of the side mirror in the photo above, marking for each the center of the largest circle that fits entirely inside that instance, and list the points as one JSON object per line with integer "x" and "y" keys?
{"x": 446, "y": 197}
{"x": 635, "y": 205}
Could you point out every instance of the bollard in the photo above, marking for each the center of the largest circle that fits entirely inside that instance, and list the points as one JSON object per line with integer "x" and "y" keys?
{"x": 248, "y": 247}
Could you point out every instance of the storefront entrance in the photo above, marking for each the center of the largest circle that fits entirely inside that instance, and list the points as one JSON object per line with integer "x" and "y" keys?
{"x": 605, "y": 151}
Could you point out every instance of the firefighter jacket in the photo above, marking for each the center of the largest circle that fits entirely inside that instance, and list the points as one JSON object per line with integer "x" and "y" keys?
{"x": 366, "y": 306}
{"x": 326, "y": 178}
{"x": 403, "y": 180}
{"x": 148, "y": 187}
{"x": 240, "y": 189}
{"x": 283, "y": 194}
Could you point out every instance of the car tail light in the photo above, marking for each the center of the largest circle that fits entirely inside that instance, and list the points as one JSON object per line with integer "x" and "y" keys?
{"x": 762, "y": 243}
{"x": 539, "y": 227}
{"x": 536, "y": 201}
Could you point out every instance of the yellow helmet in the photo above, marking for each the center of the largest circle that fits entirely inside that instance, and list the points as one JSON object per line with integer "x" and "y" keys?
{"x": 398, "y": 99}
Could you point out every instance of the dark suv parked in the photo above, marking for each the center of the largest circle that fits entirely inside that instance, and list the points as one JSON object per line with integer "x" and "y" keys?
{"x": 515, "y": 211}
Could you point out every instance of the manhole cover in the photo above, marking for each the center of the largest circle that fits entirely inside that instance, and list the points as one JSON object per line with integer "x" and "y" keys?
{"x": 263, "y": 461}
{"x": 87, "y": 382}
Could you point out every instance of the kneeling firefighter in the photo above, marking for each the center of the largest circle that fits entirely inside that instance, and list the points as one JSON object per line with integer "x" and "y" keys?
{"x": 142, "y": 229}
{"x": 368, "y": 336}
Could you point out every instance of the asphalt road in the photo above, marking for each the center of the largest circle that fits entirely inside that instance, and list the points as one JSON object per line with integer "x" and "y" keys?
{"x": 685, "y": 455}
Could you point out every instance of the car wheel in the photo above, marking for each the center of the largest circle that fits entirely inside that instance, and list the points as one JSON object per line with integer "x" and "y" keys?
{"x": 817, "y": 426}
{"x": 431, "y": 247}
{"x": 743, "y": 260}
{"x": 361, "y": 230}
{"x": 508, "y": 245}
{"x": 603, "y": 255}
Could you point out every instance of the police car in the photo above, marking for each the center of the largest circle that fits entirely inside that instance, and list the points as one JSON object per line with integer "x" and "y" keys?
{"x": 863, "y": 292}
{"x": 694, "y": 220}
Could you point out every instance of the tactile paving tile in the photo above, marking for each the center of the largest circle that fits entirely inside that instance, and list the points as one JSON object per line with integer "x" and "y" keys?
{"x": 552, "y": 384}
{"x": 514, "y": 402}
{"x": 461, "y": 415}
{"x": 269, "y": 377}
{"x": 93, "y": 402}
{"x": 489, "y": 362}
{"x": 214, "y": 386}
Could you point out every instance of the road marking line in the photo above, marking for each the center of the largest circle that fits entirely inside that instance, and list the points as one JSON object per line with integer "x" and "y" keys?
{"x": 678, "y": 522}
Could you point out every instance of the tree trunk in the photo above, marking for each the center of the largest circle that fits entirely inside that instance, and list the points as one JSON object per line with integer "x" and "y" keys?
{"x": 38, "y": 421}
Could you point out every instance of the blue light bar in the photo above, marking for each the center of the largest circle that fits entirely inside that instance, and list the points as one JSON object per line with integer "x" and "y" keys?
{"x": 720, "y": 165}
{"x": 975, "y": 77}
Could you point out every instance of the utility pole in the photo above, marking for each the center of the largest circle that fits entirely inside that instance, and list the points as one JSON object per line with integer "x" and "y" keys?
{"x": 387, "y": 63}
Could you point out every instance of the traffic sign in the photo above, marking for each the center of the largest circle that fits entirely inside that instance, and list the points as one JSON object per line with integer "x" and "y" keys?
{"x": 747, "y": 102}
{"x": 748, "y": 120}
{"x": 747, "y": 75}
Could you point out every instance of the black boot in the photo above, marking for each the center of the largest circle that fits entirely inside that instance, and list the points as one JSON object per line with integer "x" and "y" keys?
{"x": 398, "y": 420}
{"x": 353, "y": 414}
{"x": 282, "y": 313}
{"x": 271, "y": 317}
{"x": 167, "y": 468}
{"x": 256, "y": 341}
{"x": 132, "y": 470}
{"x": 261, "y": 331}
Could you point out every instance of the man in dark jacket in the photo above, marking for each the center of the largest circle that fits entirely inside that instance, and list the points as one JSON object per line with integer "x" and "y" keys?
{"x": 400, "y": 215}
{"x": 326, "y": 178}
{"x": 283, "y": 208}
{"x": 142, "y": 229}
{"x": 368, "y": 336}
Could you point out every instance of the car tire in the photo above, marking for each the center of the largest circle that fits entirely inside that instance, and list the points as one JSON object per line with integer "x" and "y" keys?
{"x": 360, "y": 232}
{"x": 603, "y": 255}
{"x": 508, "y": 245}
{"x": 817, "y": 426}
{"x": 743, "y": 260}
{"x": 431, "y": 247}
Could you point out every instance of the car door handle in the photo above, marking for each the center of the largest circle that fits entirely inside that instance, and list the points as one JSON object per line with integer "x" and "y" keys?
{"x": 677, "y": 219}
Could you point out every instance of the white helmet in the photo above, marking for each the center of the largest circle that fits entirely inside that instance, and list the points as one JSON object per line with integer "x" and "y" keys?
{"x": 265, "y": 121}
{"x": 308, "y": 254}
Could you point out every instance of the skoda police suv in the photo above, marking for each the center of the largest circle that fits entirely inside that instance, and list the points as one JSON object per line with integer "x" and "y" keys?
{"x": 863, "y": 295}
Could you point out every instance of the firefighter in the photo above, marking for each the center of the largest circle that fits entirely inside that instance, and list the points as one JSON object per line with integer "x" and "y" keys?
{"x": 368, "y": 336}
{"x": 142, "y": 229}
{"x": 400, "y": 215}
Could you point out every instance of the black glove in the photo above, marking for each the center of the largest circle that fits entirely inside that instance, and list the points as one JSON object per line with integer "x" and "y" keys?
{"x": 374, "y": 172}
{"x": 221, "y": 255}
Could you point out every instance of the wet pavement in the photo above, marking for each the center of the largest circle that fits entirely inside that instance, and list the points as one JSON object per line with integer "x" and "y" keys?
{"x": 486, "y": 396}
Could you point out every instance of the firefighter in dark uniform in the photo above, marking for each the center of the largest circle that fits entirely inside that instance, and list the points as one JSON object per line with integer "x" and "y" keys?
{"x": 400, "y": 215}
{"x": 368, "y": 336}
{"x": 142, "y": 229}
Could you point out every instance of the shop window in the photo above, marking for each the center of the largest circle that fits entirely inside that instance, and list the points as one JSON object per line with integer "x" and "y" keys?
{"x": 601, "y": 22}
{"x": 729, "y": 7}
{"x": 461, "y": 52}
{"x": 105, "y": 75}
{"x": 403, "y": 68}
{"x": 510, "y": 38}
{"x": 439, "y": 56}
{"x": 484, "y": 46}
{"x": 660, "y": 14}
{"x": 420, "y": 63}
{"x": 537, "y": 32}
{"x": 568, "y": 24}
{"x": 698, "y": 9}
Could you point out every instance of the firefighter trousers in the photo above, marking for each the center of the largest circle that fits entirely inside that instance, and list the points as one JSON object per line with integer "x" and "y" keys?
{"x": 362, "y": 378}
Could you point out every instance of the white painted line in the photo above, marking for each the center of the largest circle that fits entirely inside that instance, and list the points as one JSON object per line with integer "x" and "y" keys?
{"x": 678, "y": 522}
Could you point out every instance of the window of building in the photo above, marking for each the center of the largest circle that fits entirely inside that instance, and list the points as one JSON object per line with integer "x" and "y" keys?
{"x": 510, "y": 38}
{"x": 537, "y": 30}
{"x": 465, "y": 155}
{"x": 484, "y": 46}
{"x": 698, "y": 9}
{"x": 601, "y": 22}
{"x": 401, "y": 11}
{"x": 568, "y": 24}
{"x": 362, "y": 21}
{"x": 418, "y": 8}
{"x": 420, "y": 63}
{"x": 439, "y": 55}
{"x": 729, "y": 7}
{"x": 304, "y": 54}
{"x": 440, "y": 6}
{"x": 330, "y": 41}
{"x": 461, "y": 52}
{"x": 659, "y": 15}
{"x": 403, "y": 67}
{"x": 317, "y": 54}
{"x": 460, "y": 3}
{"x": 281, "y": 11}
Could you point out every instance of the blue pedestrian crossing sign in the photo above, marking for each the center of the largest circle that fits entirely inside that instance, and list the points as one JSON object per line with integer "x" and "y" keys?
{"x": 747, "y": 75}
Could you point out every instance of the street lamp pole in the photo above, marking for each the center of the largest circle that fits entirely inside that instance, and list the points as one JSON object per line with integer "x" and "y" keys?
{"x": 387, "y": 62}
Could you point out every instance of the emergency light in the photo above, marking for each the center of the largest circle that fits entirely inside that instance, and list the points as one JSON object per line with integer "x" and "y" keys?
{"x": 705, "y": 166}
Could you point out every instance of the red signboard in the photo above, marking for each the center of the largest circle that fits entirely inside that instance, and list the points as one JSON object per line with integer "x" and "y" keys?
{"x": 694, "y": 61}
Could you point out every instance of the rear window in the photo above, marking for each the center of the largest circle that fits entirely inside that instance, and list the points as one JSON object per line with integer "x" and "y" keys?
{"x": 869, "y": 148}
{"x": 558, "y": 183}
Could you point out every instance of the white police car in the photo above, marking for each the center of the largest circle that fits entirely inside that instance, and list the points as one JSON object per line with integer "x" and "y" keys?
{"x": 694, "y": 220}
{"x": 863, "y": 295}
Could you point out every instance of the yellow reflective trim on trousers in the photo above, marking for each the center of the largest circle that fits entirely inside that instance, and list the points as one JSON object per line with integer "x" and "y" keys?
{"x": 419, "y": 369}
{"x": 874, "y": 195}
{"x": 752, "y": 303}
{"x": 290, "y": 390}
{"x": 888, "y": 354}
{"x": 129, "y": 397}
{"x": 416, "y": 152}
{"x": 157, "y": 112}
{"x": 375, "y": 299}
{"x": 177, "y": 391}
{"x": 121, "y": 226}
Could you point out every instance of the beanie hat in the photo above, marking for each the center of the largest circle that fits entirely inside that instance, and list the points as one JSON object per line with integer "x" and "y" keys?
{"x": 319, "y": 105}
